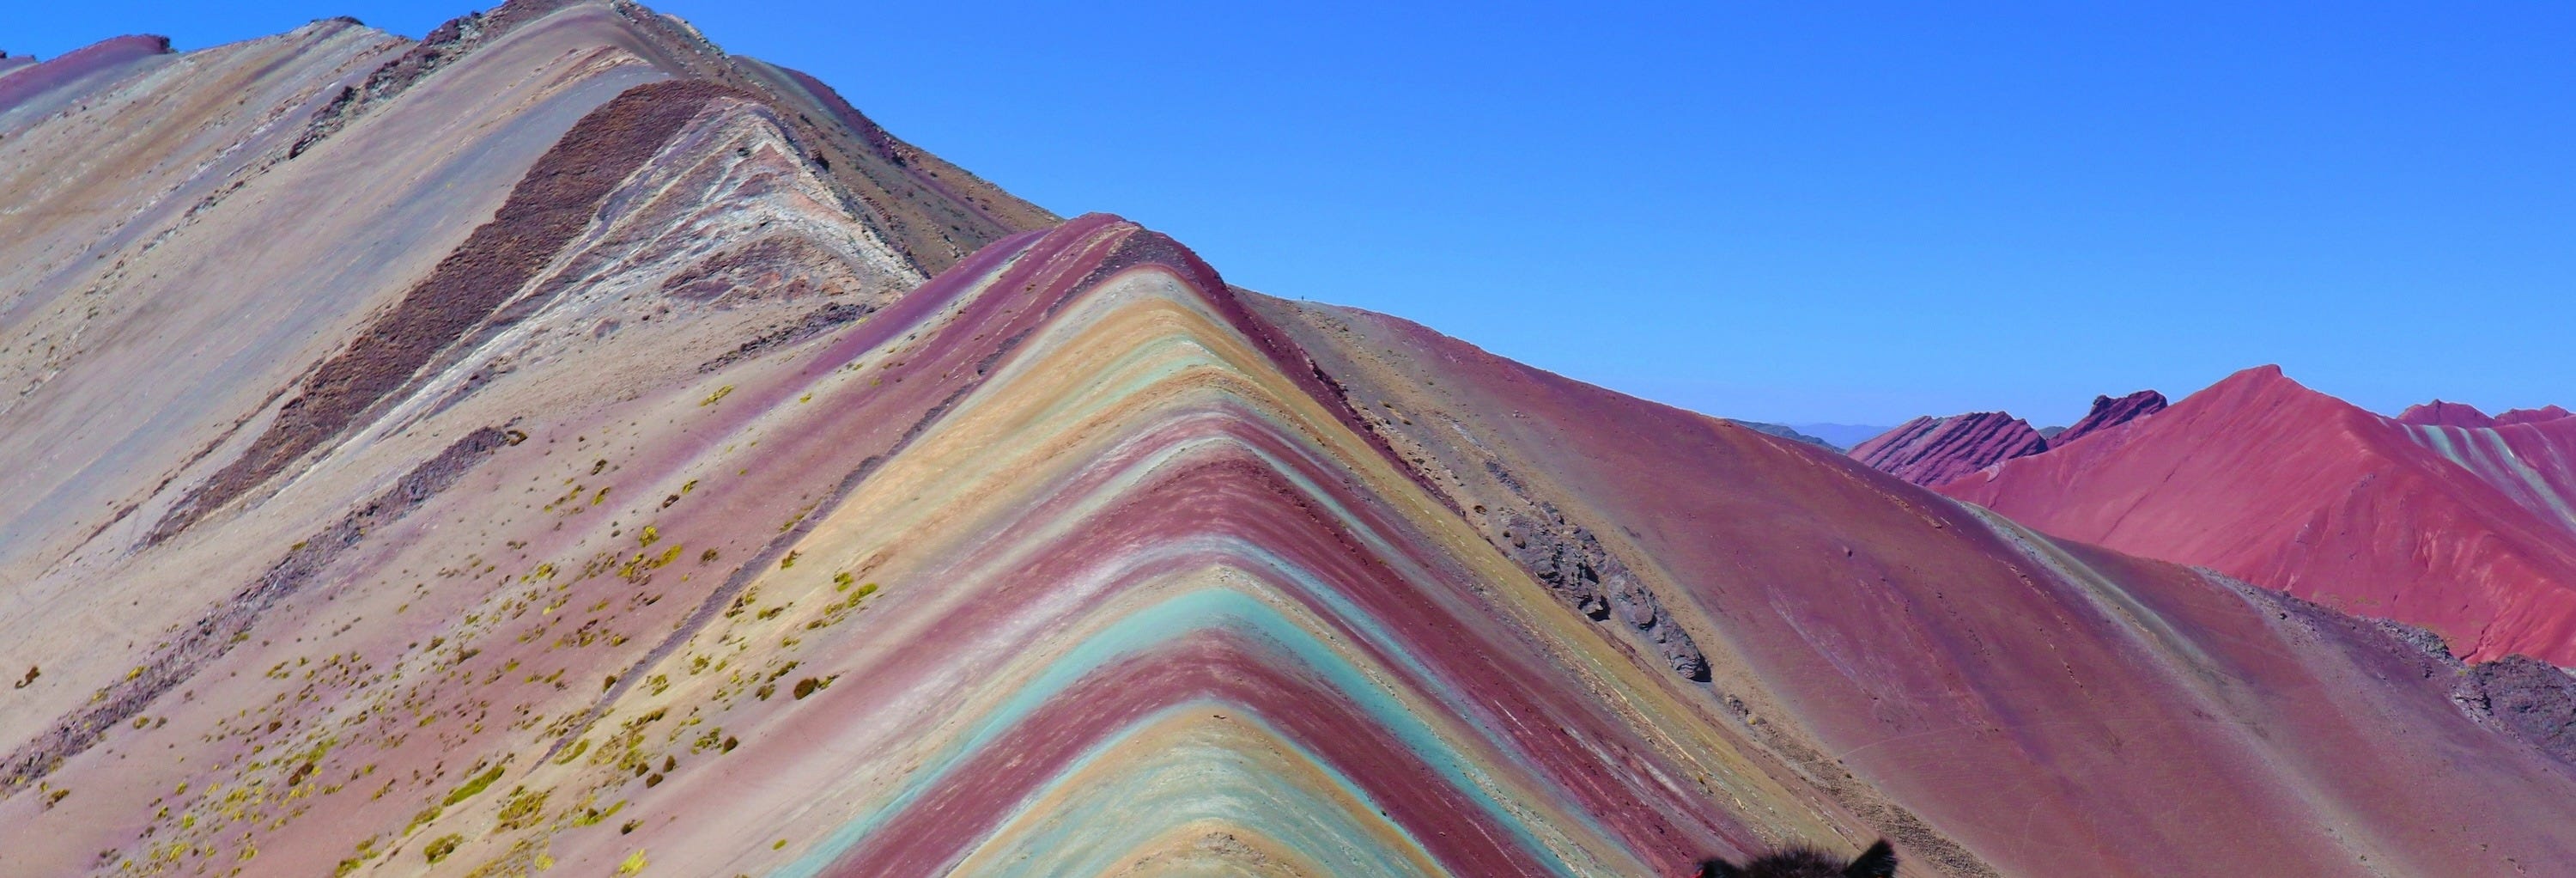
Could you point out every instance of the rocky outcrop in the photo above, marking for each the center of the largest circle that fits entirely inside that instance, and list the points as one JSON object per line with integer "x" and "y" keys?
{"x": 2445, "y": 414}
{"x": 2108, "y": 413}
{"x": 1572, "y": 563}
{"x": 1930, "y": 451}
{"x": 2533, "y": 700}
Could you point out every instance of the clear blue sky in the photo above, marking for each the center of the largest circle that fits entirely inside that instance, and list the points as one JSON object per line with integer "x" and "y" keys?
{"x": 1782, "y": 211}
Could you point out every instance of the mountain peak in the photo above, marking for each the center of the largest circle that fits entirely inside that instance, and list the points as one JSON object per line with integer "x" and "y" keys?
{"x": 2266, "y": 375}
{"x": 2446, "y": 414}
{"x": 2109, "y": 412}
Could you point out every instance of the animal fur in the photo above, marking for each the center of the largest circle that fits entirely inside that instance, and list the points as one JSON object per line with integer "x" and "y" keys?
{"x": 1877, "y": 862}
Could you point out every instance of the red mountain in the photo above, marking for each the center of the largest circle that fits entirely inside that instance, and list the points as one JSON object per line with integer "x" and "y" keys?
{"x": 2467, "y": 530}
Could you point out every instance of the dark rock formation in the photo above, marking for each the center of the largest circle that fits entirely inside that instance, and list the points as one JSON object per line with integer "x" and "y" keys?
{"x": 2108, "y": 412}
{"x": 1572, "y": 563}
{"x": 2532, "y": 699}
{"x": 1929, "y": 451}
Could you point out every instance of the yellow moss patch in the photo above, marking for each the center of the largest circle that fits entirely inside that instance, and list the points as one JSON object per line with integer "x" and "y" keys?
{"x": 473, "y": 787}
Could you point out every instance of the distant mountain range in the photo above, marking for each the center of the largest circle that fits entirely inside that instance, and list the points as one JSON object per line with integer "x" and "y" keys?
{"x": 1841, "y": 436}
{"x": 2442, "y": 517}
{"x": 1785, "y": 432}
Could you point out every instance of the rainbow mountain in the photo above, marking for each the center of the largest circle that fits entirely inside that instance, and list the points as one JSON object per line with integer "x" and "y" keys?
{"x": 557, "y": 446}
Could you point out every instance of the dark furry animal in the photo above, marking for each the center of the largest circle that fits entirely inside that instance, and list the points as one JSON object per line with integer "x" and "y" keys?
{"x": 1877, "y": 862}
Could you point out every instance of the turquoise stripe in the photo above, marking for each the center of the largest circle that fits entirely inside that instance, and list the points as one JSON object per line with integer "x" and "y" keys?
{"x": 1208, "y": 609}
